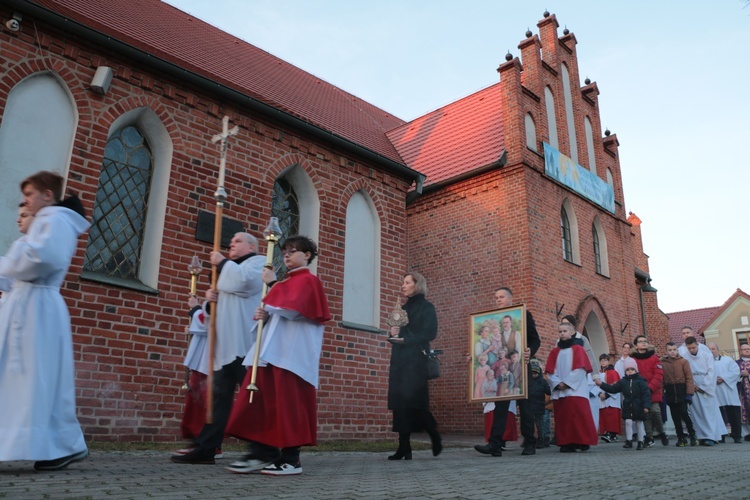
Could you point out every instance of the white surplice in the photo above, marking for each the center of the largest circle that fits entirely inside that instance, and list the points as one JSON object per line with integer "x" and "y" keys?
{"x": 729, "y": 371}
{"x": 707, "y": 418}
{"x": 240, "y": 289}
{"x": 197, "y": 354}
{"x": 37, "y": 385}
{"x": 576, "y": 380}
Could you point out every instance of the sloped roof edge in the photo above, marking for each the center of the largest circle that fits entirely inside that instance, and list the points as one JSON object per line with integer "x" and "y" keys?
{"x": 469, "y": 173}
{"x": 203, "y": 82}
{"x": 725, "y": 306}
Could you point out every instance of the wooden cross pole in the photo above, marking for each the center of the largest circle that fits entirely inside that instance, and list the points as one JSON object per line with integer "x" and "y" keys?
{"x": 220, "y": 195}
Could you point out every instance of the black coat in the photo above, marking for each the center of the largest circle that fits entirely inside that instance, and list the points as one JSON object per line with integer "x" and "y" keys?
{"x": 538, "y": 387}
{"x": 407, "y": 377}
{"x": 636, "y": 396}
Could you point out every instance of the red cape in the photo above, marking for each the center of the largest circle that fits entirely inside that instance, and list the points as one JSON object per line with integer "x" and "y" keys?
{"x": 580, "y": 359}
{"x": 300, "y": 291}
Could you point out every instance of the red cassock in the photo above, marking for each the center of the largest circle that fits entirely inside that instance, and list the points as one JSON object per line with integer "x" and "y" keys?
{"x": 511, "y": 429}
{"x": 574, "y": 423}
{"x": 610, "y": 419}
{"x": 195, "y": 406}
{"x": 284, "y": 409}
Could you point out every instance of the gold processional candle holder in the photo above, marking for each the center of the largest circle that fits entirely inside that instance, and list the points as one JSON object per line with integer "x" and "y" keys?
{"x": 195, "y": 269}
{"x": 272, "y": 233}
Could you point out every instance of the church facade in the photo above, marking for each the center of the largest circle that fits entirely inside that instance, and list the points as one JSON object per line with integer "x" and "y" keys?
{"x": 124, "y": 103}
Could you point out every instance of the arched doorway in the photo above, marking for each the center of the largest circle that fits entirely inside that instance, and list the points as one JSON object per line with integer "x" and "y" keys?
{"x": 594, "y": 331}
{"x": 596, "y": 326}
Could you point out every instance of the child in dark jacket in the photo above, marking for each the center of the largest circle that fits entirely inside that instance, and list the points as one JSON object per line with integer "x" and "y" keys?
{"x": 678, "y": 392}
{"x": 636, "y": 401}
{"x": 538, "y": 387}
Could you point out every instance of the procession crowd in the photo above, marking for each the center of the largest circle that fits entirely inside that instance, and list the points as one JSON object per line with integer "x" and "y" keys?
{"x": 276, "y": 327}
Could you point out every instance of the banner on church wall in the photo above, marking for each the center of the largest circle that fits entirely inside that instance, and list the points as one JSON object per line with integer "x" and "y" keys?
{"x": 577, "y": 178}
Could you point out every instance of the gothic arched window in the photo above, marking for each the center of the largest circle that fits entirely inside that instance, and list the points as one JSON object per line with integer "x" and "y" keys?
{"x": 567, "y": 240}
{"x": 285, "y": 206}
{"x": 119, "y": 217}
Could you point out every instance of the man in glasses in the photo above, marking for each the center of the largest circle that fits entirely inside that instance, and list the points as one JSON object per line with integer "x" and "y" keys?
{"x": 650, "y": 368}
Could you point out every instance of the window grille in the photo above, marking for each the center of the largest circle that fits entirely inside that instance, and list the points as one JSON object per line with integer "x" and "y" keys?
{"x": 119, "y": 216}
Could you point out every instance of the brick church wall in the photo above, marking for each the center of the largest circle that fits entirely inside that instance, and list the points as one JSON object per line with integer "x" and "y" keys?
{"x": 129, "y": 345}
{"x": 502, "y": 228}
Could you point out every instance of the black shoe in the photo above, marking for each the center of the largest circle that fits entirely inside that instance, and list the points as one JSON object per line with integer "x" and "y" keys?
{"x": 405, "y": 454}
{"x": 60, "y": 463}
{"x": 195, "y": 457}
{"x": 488, "y": 449}
{"x": 529, "y": 450}
{"x": 628, "y": 444}
{"x": 437, "y": 445}
{"x": 568, "y": 448}
{"x": 649, "y": 442}
{"x": 584, "y": 447}
{"x": 640, "y": 446}
{"x": 664, "y": 439}
{"x": 606, "y": 438}
{"x": 693, "y": 441}
{"x": 738, "y": 440}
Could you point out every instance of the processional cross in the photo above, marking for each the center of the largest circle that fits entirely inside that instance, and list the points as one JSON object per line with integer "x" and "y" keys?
{"x": 220, "y": 195}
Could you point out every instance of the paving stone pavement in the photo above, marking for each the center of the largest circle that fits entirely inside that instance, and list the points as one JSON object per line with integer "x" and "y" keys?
{"x": 606, "y": 471}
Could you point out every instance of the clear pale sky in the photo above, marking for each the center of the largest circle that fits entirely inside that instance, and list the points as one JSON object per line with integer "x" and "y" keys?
{"x": 673, "y": 76}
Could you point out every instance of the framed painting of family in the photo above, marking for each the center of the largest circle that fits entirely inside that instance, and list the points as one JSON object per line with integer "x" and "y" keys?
{"x": 497, "y": 340}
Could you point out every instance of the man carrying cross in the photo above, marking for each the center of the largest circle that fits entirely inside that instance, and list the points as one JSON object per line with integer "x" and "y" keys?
{"x": 233, "y": 298}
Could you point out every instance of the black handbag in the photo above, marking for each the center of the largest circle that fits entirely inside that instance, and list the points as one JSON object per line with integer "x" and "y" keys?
{"x": 433, "y": 363}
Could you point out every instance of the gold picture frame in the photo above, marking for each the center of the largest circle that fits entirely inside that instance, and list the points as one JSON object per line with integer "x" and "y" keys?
{"x": 495, "y": 351}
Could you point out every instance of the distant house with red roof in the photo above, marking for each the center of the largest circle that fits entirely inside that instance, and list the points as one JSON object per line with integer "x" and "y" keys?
{"x": 727, "y": 325}
{"x": 515, "y": 185}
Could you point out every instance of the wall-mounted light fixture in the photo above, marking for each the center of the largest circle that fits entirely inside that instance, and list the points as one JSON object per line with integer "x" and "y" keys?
{"x": 14, "y": 23}
{"x": 102, "y": 79}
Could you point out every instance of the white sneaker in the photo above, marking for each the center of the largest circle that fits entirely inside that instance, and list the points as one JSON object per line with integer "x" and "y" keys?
{"x": 282, "y": 469}
{"x": 247, "y": 466}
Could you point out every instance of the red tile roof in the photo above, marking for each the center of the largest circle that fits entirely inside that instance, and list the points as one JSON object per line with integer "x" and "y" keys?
{"x": 455, "y": 139}
{"x": 166, "y": 32}
{"x": 720, "y": 310}
{"x": 695, "y": 318}
{"x": 699, "y": 319}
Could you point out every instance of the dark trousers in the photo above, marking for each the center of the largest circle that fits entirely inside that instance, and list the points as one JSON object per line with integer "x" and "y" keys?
{"x": 540, "y": 433}
{"x": 679, "y": 412}
{"x": 733, "y": 415}
{"x": 272, "y": 454}
{"x": 225, "y": 381}
{"x": 501, "y": 417}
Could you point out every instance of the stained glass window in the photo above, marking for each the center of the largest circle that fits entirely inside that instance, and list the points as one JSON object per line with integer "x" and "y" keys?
{"x": 285, "y": 206}
{"x": 119, "y": 217}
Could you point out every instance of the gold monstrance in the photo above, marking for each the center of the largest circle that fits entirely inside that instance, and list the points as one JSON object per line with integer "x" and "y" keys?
{"x": 397, "y": 316}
